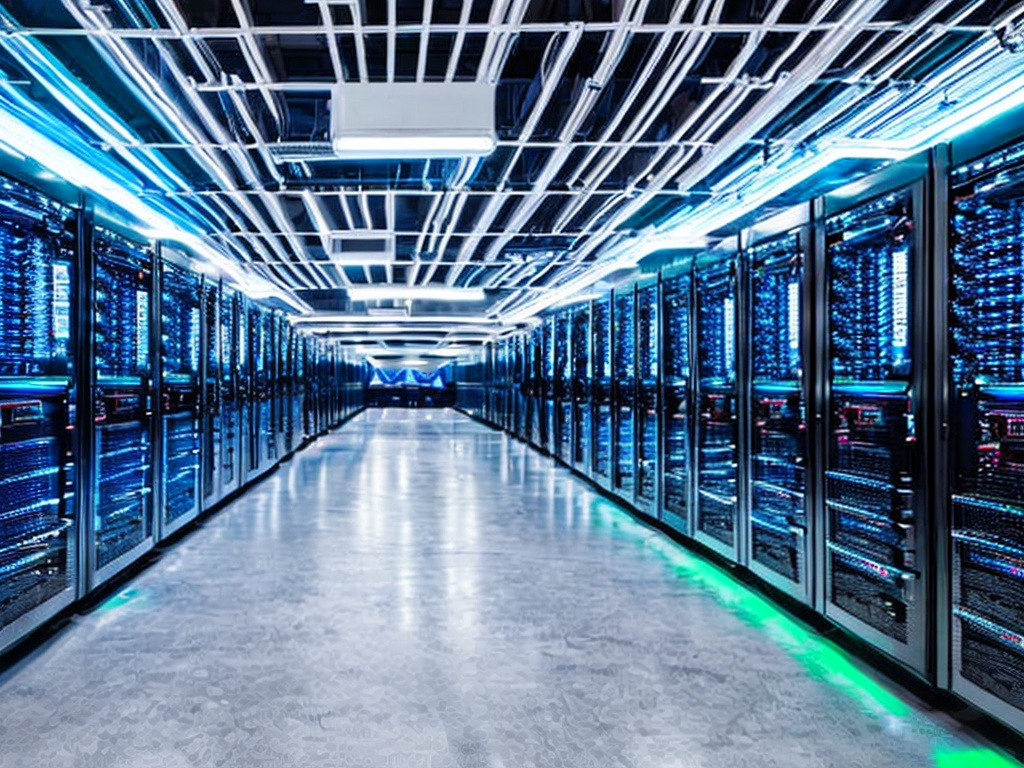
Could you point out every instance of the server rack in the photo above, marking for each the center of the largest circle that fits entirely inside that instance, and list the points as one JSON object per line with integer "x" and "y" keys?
{"x": 716, "y": 522}
{"x": 519, "y": 385}
{"x": 489, "y": 383}
{"x": 875, "y": 491}
{"x": 985, "y": 411}
{"x": 563, "y": 379}
{"x": 776, "y": 426}
{"x": 281, "y": 387}
{"x": 535, "y": 388}
{"x": 601, "y": 343}
{"x": 38, "y": 515}
{"x": 624, "y": 393}
{"x": 677, "y": 399}
{"x": 233, "y": 392}
{"x": 121, "y": 524}
{"x": 550, "y": 426}
{"x": 505, "y": 403}
{"x": 648, "y": 409}
{"x": 580, "y": 389}
{"x": 212, "y": 431}
{"x": 179, "y": 394}
{"x": 258, "y": 437}
{"x": 290, "y": 426}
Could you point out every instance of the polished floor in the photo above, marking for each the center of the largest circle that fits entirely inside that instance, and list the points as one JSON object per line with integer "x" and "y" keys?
{"x": 417, "y": 590}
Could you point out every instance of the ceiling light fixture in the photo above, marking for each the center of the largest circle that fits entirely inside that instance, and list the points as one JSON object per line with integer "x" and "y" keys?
{"x": 413, "y": 293}
{"x": 412, "y": 146}
{"x": 390, "y": 121}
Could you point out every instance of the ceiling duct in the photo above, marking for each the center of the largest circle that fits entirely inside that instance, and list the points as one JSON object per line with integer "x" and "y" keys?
{"x": 389, "y": 121}
{"x": 350, "y": 249}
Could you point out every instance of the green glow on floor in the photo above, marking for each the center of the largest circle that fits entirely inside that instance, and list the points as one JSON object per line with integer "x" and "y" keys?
{"x": 120, "y": 600}
{"x": 972, "y": 758}
{"x": 823, "y": 660}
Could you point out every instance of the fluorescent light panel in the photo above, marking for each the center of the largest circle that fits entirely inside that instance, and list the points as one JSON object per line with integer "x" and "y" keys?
{"x": 412, "y": 120}
{"x": 418, "y": 146}
{"x": 413, "y": 293}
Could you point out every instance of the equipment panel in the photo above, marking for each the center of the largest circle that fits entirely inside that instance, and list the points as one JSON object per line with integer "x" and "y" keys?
{"x": 581, "y": 387}
{"x": 986, "y": 346}
{"x": 602, "y": 367}
{"x": 717, "y": 430}
{"x": 648, "y": 360}
{"x": 872, "y": 461}
{"x": 180, "y": 349}
{"x": 37, "y": 514}
{"x": 676, "y": 415}
{"x": 624, "y": 368}
{"x": 778, "y": 423}
{"x": 122, "y": 411}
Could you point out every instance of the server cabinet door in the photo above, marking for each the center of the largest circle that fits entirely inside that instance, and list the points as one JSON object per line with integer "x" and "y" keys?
{"x": 180, "y": 332}
{"x": 601, "y": 466}
{"x": 717, "y": 428}
{"x": 986, "y": 369}
{"x": 676, "y": 399}
{"x": 231, "y": 394}
{"x": 212, "y": 431}
{"x": 777, "y": 419}
{"x": 648, "y": 349}
{"x": 121, "y": 525}
{"x": 624, "y": 394}
{"x": 873, "y": 488}
{"x": 38, "y": 514}
{"x": 563, "y": 380}
{"x": 580, "y": 389}
{"x": 548, "y": 423}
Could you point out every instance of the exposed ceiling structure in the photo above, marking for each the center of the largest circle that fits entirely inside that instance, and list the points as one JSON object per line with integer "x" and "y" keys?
{"x": 623, "y": 127}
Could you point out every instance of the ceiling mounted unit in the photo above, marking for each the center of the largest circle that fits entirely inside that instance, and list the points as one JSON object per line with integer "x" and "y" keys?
{"x": 389, "y": 121}
{"x": 357, "y": 249}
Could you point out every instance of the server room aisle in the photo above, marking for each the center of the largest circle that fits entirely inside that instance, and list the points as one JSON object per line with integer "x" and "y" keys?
{"x": 418, "y": 590}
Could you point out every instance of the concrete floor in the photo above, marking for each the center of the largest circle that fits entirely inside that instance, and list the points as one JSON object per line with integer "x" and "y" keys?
{"x": 417, "y": 590}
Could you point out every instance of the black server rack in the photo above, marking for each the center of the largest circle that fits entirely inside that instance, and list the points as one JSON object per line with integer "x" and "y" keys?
{"x": 179, "y": 395}
{"x": 245, "y": 388}
{"x": 779, "y": 336}
{"x": 290, "y": 438}
{"x": 491, "y": 384}
{"x": 876, "y": 517}
{"x": 320, "y": 412}
{"x": 121, "y": 524}
{"x": 232, "y": 393}
{"x": 269, "y": 443}
{"x": 534, "y": 389}
{"x": 581, "y": 389}
{"x": 563, "y": 378}
{"x": 624, "y": 388}
{"x": 549, "y": 426}
{"x": 648, "y": 415}
{"x": 258, "y": 442}
{"x": 601, "y": 344}
{"x": 677, "y": 394}
{"x": 986, "y": 404}
{"x": 519, "y": 385}
{"x": 212, "y": 431}
{"x": 505, "y": 384}
{"x": 309, "y": 388}
{"x": 280, "y": 386}
{"x": 38, "y": 517}
{"x": 717, "y": 509}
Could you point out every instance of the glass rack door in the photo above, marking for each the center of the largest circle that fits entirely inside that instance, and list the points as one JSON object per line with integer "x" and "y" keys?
{"x": 676, "y": 407}
{"x": 986, "y": 348}
{"x": 778, "y": 419}
{"x": 717, "y": 403}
